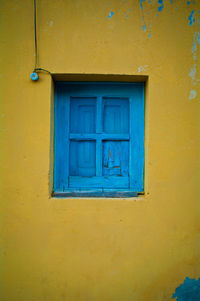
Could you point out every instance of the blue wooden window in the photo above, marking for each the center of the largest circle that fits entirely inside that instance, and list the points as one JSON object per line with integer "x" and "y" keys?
{"x": 99, "y": 139}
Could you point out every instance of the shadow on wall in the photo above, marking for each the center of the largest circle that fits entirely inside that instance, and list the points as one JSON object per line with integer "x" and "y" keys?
{"x": 189, "y": 290}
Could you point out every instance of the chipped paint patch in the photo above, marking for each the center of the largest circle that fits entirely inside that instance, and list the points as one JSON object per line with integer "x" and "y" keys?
{"x": 189, "y": 2}
{"x": 51, "y": 23}
{"x": 141, "y": 4}
{"x": 198, "y": 38}
{"x": 110, "y": 14}
{"x": 188, "y": 290}
{"x": 192, "y": 95}
{"x": 192, "y": 72}
{"x": 161, "y": 5}
{"x": 191, "y": 18}
{"x": 144, "y": 27}
{"x": 195, "y": 43}
{"x": 142, "y": 68}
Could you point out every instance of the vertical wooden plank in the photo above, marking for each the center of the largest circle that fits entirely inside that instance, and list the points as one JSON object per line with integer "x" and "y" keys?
{"x": 83, "y": 115}
{"x": 99, "y": 116}
{"x": 61, "y": 142}
{"x": 99, "y": 158}
{"x": 116, "y": 117}
{"x": 99, "y": 120}
{"x": 136, "y": 154}
{"x": 115, "y": 158}
{"x": 82, "y": 160}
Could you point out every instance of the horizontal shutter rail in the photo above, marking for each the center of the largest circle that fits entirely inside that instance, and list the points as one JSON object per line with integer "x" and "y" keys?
{"x": 97, "y": 136}
{"x": 98, "y": 182}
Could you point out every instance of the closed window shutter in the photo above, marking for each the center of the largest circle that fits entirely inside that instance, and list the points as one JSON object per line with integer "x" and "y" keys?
{"x": 99, "y": 136}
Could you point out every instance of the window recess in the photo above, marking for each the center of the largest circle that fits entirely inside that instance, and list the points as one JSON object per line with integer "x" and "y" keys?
{"x": 99, "y": 139}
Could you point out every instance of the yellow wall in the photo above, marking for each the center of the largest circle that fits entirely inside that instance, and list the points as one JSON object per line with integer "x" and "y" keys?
{"x": 99, "y": 249}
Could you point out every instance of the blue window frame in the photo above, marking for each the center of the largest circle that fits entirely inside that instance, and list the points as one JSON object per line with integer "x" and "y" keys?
{"x": 99, "y": 139}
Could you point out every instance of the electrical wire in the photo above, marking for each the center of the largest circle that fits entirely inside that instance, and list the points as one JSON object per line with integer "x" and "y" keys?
{"x": 36, "y": 49}
{"x": 41, "y": 69}
{"x": 35, "y": 33}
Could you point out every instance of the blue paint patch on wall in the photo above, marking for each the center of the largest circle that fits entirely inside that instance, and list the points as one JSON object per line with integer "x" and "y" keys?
{"x": 192, "y": 95}
{"x": 189, "y": 290}
{"x": 191, "y": 18}
{"x": 141, "y": 3}
{"x": 189, "y": 2}
{"x": 144, "y": 27}
{"x": 110, "y": 14}
{"x": 198, "y": 37}
{"x": 193, "y": 71}
{"x": 161, "y": 5}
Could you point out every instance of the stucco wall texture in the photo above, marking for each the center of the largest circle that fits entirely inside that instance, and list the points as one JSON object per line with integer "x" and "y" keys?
{"x": 100, "y": 249}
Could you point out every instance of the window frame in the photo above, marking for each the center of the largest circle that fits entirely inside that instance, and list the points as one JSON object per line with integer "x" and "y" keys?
{"x": 135, "y": 93}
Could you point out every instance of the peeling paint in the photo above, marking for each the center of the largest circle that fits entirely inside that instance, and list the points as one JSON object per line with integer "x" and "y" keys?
{"x": 198, "y": 38}
{"x": 142, "y": 68}
{"x": 126, "y": 15}
{"x": 51, "y": 23}
{"x": 144, "y": 27}
{"x": 194, "y": 47}
{"x": 189, "y": 2}
{"x": 141, "y": 4}
{"x": 110, "y": 15}
{"x": 192, "y": 95}
{"x": 188, "y": 290}
{"x": 192, "y": 73}
{"x": 159, "y": 8}
{"x": 191, "y": 18}
{"x": 161, "y": 5}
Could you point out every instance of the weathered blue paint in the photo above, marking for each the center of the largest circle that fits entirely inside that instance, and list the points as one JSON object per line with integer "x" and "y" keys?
{"x": 110, "y": 14}
{"x": 191, "y": 18}
{"x": 144, "y": 27}
{"x": 189, "y": 2}
{"x": 194, "y": 45}
{"x": 161, "y": 5}
{"x": 82, "y": 158}
{"x": 192, "y": 73}
{"x": 189, "y": 290}
{"x": 99, "y": 137}
{"x": 126, "y": 15}
{"x": 112, "y": 182}
{"x": 136, "y": 152}
{"x": 116, "y": 158}
{"x": 141, "y": 3}
{"x": 193, "y": 94}
{"x": 61, "y": 137}
{"x": 198, "y": 38}
{"x": 96, "y": 194}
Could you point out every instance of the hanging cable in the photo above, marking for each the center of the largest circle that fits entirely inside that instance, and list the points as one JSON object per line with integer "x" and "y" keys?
{"x": 34, "y": 75}
{"x": 41, "y": 69}
{"x": 35, "y": 33}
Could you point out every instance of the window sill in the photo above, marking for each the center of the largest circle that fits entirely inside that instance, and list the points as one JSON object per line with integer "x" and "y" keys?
{"x": 96, "y": 194}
